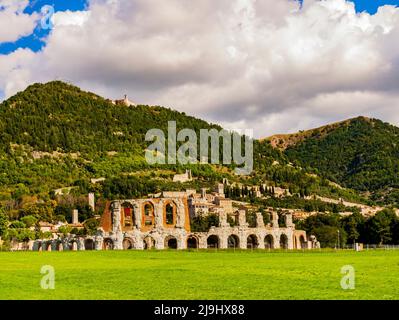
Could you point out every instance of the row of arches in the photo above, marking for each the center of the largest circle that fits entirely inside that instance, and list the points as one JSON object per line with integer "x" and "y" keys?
{"x": 58, "y": 245}
{"x": 212, "y": 242}
{"x": 148, "y": 216}
{"x": 233, "y": 242}
{"x": 171, "y": 242}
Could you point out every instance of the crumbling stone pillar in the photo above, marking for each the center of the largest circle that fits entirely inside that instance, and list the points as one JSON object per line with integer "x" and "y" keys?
{"x": 137, "y": 216}
{"x": 202, "y": 242}
{"x": 116, "y": 217}
{"x": 118, "y": 241}
{"x": 223, "y": 220}
{"x": 275, "y": 220}
{"x": 98, "y": 243}
{"x": 259, "y": 220}
{"x": 158, "y": 211}
{"x": 290, "y": 242}
{"x": 242, "y": 219}
{"x": 81, "y": 244}
{"x": 159, "y": 243}
{"x": 243, "y": 241}
{"x": 181, "y": 243}
{"x": 138, "y": 242}
{"x": 180, "y": 215}
{"x": 223, "y": 244}
{"x": 288, "y": 220}
{"x": 261, "y": 240}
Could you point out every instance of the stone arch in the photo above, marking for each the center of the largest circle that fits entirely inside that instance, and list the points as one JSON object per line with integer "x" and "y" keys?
{"x": 170, "y": 214}
{"x": 233, "y": 241}
{"x": 59, "y": 246}
{"x": 213, "y": 241}
{"x": 252, "y": 241}
{"x": 192, "y": 242}
{"x": 269, "y": 242}
{"x": 48, "y": 246}
{"x": 73, "y": 245}
{"x": 38, "y": 246}
{"x": 128, "y": 244}
{"x": 170, "y": 242}
{"x": 302, "y": 242}
{"x": 89, "y": 244}
{"x": 108, "y": 244}
{"x": 128, "y": 221}
{"x": 149, "y": 243}
{"x": 148, "y": 216}
{"x": 283, "y": 241}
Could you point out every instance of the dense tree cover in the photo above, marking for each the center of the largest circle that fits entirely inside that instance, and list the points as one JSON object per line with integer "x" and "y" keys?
{"x": 57, "y": 116}
{"x": 204, "y": 223}
{"x": 3, "y": 224}
{"x": 86, "y": 131}
{"x": 362, "y": 154}
{"x": 288, "y": 202}
{"x": 383, "y": 228}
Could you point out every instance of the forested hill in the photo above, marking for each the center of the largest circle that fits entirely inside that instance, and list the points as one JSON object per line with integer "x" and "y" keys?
{"x": 360, "y": 153}
{"x": 55, "y": 135}
{"x": 60, "y": 117}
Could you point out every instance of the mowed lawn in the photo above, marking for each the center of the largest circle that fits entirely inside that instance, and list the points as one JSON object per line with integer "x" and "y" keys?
{"x": 199, "y": 275}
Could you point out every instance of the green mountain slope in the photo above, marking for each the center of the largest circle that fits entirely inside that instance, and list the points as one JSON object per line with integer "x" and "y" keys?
{"x": 360, "y": 153}
{"x": 55, "y": 135}
{"x": 61, "y": 117}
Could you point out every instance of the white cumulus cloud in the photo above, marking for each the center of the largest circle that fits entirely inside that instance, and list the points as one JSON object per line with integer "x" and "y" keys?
{"x": 268, "y": 65}
{"x": 14, "y": 24}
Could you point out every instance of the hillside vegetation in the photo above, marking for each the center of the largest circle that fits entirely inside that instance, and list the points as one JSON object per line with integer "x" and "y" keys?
{"x": 55, "y": 135}
{"x": 362, "y": 154}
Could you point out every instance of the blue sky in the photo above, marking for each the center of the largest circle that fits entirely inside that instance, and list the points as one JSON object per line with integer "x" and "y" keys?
{"x": 35, "y": 41}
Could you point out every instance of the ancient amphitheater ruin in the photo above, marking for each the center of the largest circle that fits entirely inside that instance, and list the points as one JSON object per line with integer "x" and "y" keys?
{"x": 162, "y": 221}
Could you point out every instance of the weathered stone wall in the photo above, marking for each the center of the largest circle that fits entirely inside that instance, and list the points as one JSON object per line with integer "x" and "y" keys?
{"x": 160, "y": 235}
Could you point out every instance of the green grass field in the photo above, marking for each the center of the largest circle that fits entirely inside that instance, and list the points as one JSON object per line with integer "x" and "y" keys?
{"x": 199, "y": 275}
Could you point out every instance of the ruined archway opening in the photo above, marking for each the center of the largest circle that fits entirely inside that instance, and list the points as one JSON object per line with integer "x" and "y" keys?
{"x": 269, "y": 242}
{"x": 213, "y": 242}
{"x": 60, "y": 247}
{"x": 233, "y": 242}
{"x": 192, "y": 243}
{"x": 127, "y": 244}
{"x": 303, "y": 243}
{"x": 171, "y": 243}
{"x": 170, "y": 214}
{"x": 89, "y": 244}
{"x": 283, "y": 241}
{"x": 73, "y": 246}
{"x": 108, "y": 244}
{"x": 252, "y": 242}
{"x": 149, "y": 216}
{"x": 128, "y": 215}
{"x": 148, "y": 243}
